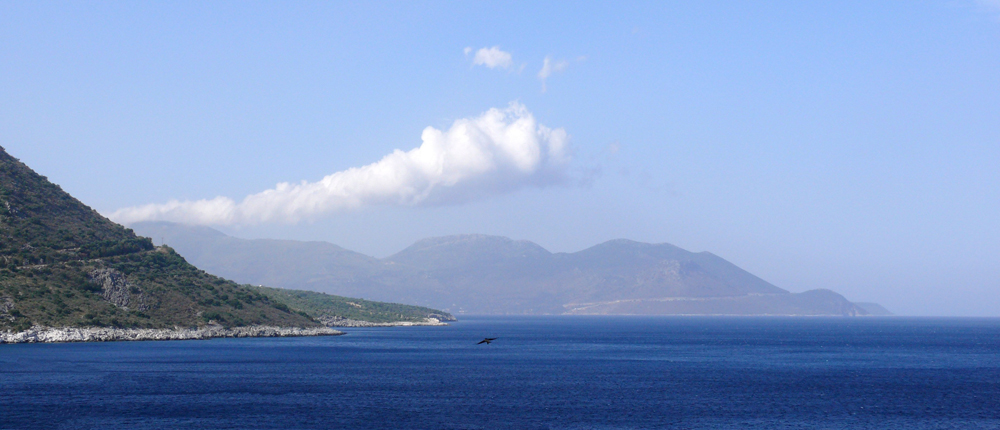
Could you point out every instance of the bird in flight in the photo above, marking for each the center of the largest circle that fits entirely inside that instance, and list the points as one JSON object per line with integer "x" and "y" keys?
{"x": 487, "y": 341}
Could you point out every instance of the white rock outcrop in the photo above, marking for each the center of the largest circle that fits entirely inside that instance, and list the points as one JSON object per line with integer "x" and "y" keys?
{"x": 108, "y": 334}
{"x": 117, "y": 290}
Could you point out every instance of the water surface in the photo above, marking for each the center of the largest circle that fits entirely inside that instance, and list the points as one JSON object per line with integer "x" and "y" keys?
{"x": 542, "y": 372}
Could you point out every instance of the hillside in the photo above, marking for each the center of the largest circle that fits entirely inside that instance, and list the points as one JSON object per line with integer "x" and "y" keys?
{"x": 314, "y": 266}
{"x": 346, "y": 311}
{"x": 875, "y": 309}
{"x": 496, "y": 275}
{"x": 65, "y": 265}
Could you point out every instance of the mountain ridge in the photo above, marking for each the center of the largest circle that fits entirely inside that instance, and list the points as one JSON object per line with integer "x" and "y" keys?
{"x": 475, "y": 273}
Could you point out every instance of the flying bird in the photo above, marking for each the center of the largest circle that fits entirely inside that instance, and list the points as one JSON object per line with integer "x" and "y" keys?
{"x": 487, "y": 341}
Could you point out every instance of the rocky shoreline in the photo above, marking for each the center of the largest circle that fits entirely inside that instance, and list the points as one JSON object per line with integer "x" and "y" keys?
{"x": 108, "y": 334}
{"x": 344, "y": 322}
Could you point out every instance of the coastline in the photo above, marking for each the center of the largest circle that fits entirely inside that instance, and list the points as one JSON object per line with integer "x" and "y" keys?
{"x": 344, "y": 322}
{"x": 106, "y": 334}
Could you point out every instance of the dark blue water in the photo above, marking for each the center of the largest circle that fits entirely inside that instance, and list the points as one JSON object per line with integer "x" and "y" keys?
{"x": 542, "y": 372}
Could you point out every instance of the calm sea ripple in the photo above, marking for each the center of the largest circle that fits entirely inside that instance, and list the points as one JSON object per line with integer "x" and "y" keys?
{"x": 541, "y": 373}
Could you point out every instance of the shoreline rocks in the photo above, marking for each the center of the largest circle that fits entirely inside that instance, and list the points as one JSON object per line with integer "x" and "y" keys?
{"x": 39, "y": 334}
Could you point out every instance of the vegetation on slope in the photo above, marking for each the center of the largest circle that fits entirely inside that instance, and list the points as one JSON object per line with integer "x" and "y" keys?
{"x": 40, "y": 223}
{"x": 319, "y": 305}
{"x": 63, "y": 264}
{"x": 161, "y": 291}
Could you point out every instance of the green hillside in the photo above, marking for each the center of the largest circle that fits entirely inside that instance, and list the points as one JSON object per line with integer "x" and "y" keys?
{"x": 320, "y": 305}
{"x": 63, "y": 264}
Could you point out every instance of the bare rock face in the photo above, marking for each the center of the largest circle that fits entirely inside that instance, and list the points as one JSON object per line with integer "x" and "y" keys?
{"x": 6, "y": 305}
{"x": 118, "y": 291}
{"x": 440, "y": 317}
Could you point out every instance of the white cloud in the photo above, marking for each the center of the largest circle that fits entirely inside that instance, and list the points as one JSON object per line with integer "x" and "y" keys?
{"x": 549, "y": 67}
{"x": 467, "y": 50}
{"x": 496, "y": 152}
{"x": 493, "y": 58}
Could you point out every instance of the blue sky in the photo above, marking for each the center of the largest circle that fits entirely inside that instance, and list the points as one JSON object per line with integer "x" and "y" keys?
{"x": 851, "y": 146}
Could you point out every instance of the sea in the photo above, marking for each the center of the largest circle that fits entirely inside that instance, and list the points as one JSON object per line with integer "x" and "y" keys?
{"x": 542, "y": 372}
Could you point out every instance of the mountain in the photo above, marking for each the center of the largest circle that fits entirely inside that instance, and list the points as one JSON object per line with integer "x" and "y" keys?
{"x": 65, "y": 265}
{"x": 314, "y": 266}
{"x": 68, "y": 273}
{"x": 496, "y": 275}
{"x": 874, "y": 309}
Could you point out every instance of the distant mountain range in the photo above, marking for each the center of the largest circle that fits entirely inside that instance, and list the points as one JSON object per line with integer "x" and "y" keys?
{"x": 495, "y": 275}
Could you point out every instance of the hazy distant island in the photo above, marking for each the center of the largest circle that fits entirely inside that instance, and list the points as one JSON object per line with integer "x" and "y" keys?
{"x": 479, "y": 274}
{"x": 69, "y": 274}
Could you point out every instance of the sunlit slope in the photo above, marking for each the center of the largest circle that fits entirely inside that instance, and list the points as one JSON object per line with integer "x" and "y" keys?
{"x": 63, "y": 264}
{"x": 322, "y": 305}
